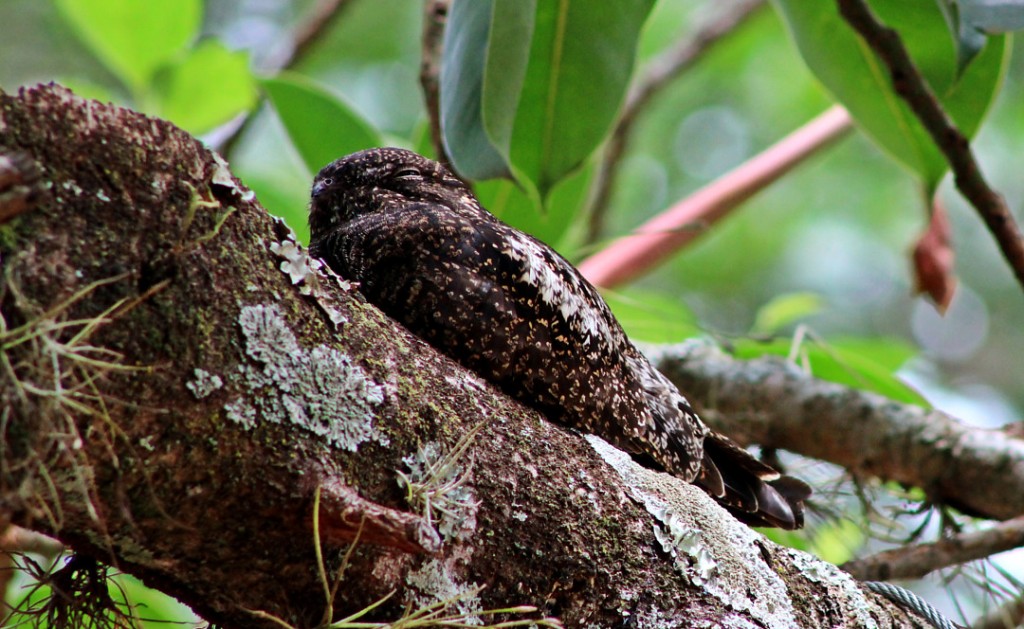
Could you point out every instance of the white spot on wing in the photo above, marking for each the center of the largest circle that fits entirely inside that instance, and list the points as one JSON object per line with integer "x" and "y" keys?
{"x": 559, "y": 286}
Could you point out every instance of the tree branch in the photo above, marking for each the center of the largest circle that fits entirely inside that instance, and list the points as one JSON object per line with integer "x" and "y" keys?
{"x": 435, "y": 16}
{"x": 771, "y": 402}
{"x": 914, "y": 89}
{"x": 180, "y": 383}
{"x": 914, "y": 562}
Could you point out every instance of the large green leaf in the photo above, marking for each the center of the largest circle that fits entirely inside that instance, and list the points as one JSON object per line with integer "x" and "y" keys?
{"x": 534, "y": 92}
{"x": 581, "y": 60}
{"x": 862, "y": 83}
{"x": 207, "y": 88}
{"x": 508, "y": 55}
{"x": 513, "y": 205}
{"x": 319, "y": 124}
{"x": 132, "y": 38}
{"x": 461, "y": 91}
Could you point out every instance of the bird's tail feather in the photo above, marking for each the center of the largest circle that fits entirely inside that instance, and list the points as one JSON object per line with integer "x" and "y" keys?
{"x": 752, "y": 491}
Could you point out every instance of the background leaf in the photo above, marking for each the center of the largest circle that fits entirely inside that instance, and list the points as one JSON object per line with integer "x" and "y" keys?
{"x": 207, "y": 88}
{"x": 566, "y": 204}
{"x": 580, "y": 64}
{"x": 321, "y": 127}
{"x": 462, "y": 76}
{"x": 532, "y": 95}
{"x": 784, "y": 310}
{"x": 133, "y": 39}
{"x": 508, "y": 54}
{"x": 858, "y": 79}
{"x": 867, "y": 364}
{"x": 651, "y": 317}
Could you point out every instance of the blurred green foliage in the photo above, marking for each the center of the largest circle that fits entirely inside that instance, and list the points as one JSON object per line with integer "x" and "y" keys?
{"x": 130, "y": 598}
{"x": 861, "y": 82}
{"x": 153, "y": 48}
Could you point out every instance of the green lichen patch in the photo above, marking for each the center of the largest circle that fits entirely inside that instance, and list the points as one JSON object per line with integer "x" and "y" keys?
{"x": 434, "y": 582}
{"x": 318, "y": 389}
{"x": 308, "y": 274}
{"x": 436, "y": 484}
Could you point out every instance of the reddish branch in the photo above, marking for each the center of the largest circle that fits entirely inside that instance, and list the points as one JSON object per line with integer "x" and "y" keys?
{"x": 912, "y": 87}
{"x": 914, "y": 562}
{"x": 346, "y": 516}
{"x": 631, "y": 256}
{"x": 660, "y": 72}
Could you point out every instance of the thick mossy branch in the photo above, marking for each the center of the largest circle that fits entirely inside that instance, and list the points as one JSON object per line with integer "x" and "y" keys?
{"x": 180, "y": 379}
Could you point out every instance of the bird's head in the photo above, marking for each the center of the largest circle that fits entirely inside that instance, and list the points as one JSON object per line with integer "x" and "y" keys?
{"x": 377, "y": 180}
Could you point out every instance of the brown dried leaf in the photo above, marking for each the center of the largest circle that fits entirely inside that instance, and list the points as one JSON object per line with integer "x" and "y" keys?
{"x": 934, "y": 258}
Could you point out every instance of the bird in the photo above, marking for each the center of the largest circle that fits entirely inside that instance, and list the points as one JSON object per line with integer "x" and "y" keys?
{"x": 512, "y": 310}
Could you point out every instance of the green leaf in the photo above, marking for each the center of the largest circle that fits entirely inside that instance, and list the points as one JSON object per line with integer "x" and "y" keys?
{"x": 866, "y": 364}
{"x": 320, "y": 125}
{"x": 87, "y": 89}
{"x": 461, "y": 91}
{"x": 968, "y": 40}
{"x": 566, "y": 202}
{"x": 531, "y": 89}
{"x": 862, "y": 83}
{"x": 508, "y": 55}
{"x": 580, "y": 63}
{"x": 286, "y": 197}
{"x": 652, "y": 317}
{"x": 207, "y": 88}
{"x": 133, "y": 39}
{"x": 784, "y": 310}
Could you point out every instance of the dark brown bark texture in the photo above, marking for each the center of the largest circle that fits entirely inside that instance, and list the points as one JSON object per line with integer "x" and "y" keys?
{"x": 178, "y": 379}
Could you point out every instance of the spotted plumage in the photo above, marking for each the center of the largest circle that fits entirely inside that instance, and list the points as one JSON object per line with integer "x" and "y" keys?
{"x": 510, "y": 308}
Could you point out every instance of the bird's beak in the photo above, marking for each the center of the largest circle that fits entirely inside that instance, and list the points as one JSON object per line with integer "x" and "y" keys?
{"x": 318, "y": 188}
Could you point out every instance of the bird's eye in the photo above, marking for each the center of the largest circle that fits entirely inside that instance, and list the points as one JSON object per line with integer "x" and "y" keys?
{"x": 407, "y": 174}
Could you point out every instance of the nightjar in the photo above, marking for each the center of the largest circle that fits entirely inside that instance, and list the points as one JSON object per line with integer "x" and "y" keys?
{"x": 512, "y": 310}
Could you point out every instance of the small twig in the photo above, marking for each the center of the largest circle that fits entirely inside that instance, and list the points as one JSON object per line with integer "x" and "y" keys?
{"x": 344, "y": 515}
{"x": 660, "y": 72}
{"x": 912, "y": 87}
{"x": 914, "y": 562}
{"x": 434, "y": 17}
{"x": 321, "y": 17}
{"x": 631, "y": 256}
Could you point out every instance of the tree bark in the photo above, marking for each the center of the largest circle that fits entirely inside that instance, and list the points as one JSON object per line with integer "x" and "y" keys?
{"x": 180, "y": 383}
{"x": 773, "y": 403}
